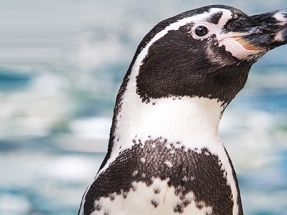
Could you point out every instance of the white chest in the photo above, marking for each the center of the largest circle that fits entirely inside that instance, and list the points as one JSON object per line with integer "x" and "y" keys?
{"x": 157, "y": 199}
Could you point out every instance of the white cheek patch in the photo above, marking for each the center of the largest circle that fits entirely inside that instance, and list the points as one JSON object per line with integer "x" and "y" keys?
{"x": 143, "y": 200}
{"x": 236, "y": 49}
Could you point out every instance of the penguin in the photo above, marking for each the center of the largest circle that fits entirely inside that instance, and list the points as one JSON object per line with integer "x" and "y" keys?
{"x": 164, "y": 154}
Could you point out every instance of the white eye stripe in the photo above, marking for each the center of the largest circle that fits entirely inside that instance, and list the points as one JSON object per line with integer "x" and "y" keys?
{"x": 200, "y": 19}
{"x": 213, "y": 29}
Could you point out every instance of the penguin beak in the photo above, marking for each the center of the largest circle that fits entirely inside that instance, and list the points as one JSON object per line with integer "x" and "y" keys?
{"x": 261, "y": 32}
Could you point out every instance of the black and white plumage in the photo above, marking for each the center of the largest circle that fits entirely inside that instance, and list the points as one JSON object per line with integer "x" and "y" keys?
{"x": 165, "y": 155}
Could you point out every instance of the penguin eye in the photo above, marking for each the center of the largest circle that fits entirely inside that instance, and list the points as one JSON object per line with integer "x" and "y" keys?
{"x": 201, "y": 31}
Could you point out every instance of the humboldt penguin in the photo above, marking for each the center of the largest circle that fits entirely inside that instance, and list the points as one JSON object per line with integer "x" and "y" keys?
{"x": 165, "y": 155}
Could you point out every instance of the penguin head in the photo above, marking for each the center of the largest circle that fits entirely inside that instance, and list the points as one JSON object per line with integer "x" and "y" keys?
{"x": 206, "y": 52}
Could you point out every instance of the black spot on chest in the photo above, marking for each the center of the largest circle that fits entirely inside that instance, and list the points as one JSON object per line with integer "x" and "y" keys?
{"x": 186, "y": 171}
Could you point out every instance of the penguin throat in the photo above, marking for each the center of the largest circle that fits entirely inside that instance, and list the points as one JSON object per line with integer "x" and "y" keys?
{"x": 191, "y": 121}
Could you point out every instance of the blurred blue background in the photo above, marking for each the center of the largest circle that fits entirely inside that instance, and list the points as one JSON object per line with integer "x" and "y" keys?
{"x": 61, "y": 64}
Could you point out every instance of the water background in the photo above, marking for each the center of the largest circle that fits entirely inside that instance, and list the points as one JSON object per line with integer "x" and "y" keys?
{"x": 61, "y": 64}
